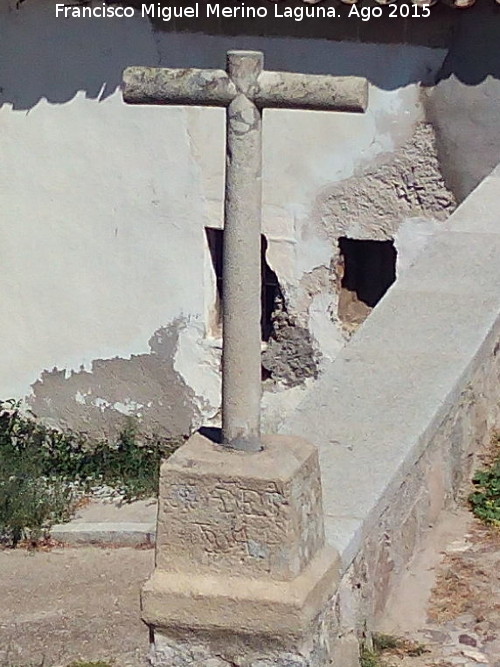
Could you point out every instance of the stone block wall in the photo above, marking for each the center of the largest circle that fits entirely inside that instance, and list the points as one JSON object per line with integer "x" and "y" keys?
{"x": 432, "y": 485}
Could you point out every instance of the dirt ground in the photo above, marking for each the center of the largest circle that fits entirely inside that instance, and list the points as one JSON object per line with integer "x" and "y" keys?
{"x": 72, "y": 604}
{"x": 449, "y": 599}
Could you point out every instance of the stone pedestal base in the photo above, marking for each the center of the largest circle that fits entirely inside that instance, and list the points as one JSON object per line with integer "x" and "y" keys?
{"x": 243, "y": 576}
{"x": 171, "y": 651}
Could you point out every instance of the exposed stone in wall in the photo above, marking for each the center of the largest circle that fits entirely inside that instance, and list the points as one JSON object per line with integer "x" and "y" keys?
{"x": 314, "y": 649}
{"x": 372, "y": 204}
{"x": 98, "y": 402}
{"x": 413, "y": 506}
{"x": 290, "y": 357}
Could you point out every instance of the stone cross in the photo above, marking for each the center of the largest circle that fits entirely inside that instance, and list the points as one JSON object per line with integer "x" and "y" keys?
{"x": 245, "y": 89}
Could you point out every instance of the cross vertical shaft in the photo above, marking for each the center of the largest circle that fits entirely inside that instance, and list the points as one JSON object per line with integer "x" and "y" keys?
{"x": 244, "y": 89}
{"x": 241, "y": 364}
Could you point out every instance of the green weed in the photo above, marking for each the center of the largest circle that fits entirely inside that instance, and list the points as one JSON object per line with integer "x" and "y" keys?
{"x": 382, "y": 644}
{"x": 43, "y": 470}
{"x": 369, "y": 658}
{"x": 485, "y": 500}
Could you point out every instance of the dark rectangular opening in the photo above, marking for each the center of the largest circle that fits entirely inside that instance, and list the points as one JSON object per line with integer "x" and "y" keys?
{"x": 368, "y": 270}
{"x": 271, "y": 290}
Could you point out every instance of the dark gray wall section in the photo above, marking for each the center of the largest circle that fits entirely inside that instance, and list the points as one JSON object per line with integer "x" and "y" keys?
{"x": 464, "y": 107}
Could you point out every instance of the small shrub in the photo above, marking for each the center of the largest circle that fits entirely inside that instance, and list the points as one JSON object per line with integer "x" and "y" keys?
{"x": 43, "y": 470}
{"x": 382, "y": 642}
{"x": 369, "y": 658}
{"x": 485, "y": 500}
{"x": 29, "y": 505}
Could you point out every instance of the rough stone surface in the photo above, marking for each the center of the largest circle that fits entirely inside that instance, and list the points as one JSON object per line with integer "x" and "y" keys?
{"x": 291, "y": 90}
{"x": 372, "y": 204}
{"x": 302, "y": 91}
{"x": 241, "y": 565}
{"x": 262, "y": 512}
{"x": 310, "y": 650}
{"x": 152, "y": 85}
{"x": 291, "y": 355}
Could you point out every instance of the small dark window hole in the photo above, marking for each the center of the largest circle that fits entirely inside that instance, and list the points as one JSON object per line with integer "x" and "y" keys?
{"x": 271, "y": 291}
{"x": 368, "y": 269}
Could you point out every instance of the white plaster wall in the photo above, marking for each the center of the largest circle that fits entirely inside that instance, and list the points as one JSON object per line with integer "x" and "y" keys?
{"x": 103, "y": 205}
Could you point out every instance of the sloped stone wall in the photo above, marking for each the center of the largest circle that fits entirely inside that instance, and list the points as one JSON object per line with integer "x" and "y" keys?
{"x": 402, "y": 410}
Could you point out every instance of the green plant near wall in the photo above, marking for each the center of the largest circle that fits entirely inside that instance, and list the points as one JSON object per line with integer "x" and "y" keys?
{"x": 369, "y": 658}
{"x": 485, "y": 500}
{"x": 372, "y": 653}
{"x": 44, "y": 470}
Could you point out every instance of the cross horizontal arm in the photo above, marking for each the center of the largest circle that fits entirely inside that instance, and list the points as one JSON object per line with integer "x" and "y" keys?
{"x": 214, "y": 87}
{"x": 287, "y": 90}
{"x": 160, "y": 85}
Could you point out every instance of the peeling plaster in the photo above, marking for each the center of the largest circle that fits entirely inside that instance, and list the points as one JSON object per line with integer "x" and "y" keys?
{"x": 403, "y": 196}
{"x": 198, "y": 361}
{"x": 372, "y": 204}
{"x": 98, "y": 402}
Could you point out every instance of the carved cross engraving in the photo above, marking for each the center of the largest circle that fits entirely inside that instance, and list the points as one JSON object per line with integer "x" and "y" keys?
{"x": 245, "y": 89}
